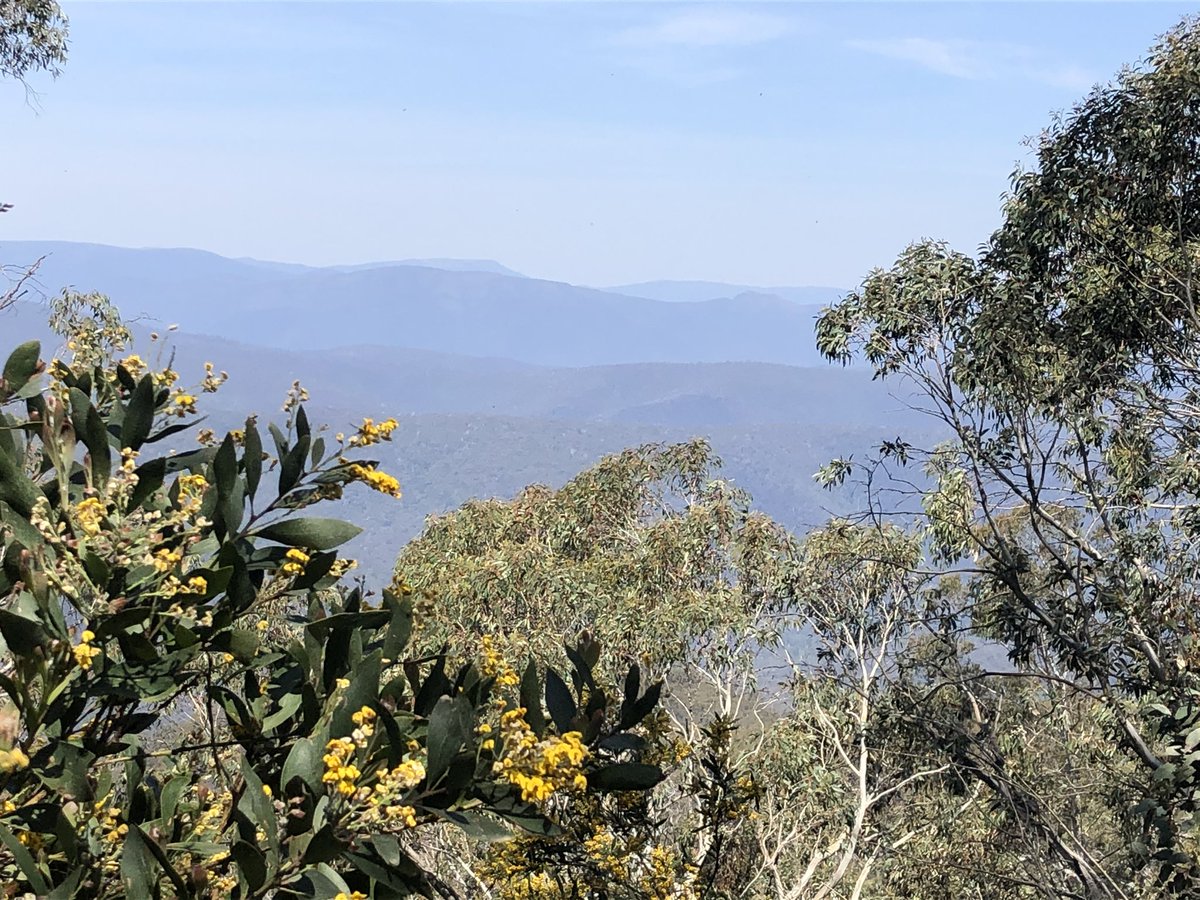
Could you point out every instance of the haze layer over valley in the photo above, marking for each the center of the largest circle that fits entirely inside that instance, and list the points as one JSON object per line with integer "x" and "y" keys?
{"x": 498, "y": 380}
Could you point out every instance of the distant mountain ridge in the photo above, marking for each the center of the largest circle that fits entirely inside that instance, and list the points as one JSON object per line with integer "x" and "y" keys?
{"x": 479, "y": 427}
{"x": 695, "y": 291}
{"x": 475, "y": 313}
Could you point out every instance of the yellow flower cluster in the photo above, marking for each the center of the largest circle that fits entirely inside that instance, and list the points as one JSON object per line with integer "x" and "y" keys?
{"x": 339, "y": 770}
{"x": 191, "y": 493}
{"x": 166, "y": 559}
{"x": 212, "y": 381}
{"x": 487, "y": 743}
{"x": 495, "y": 665}
{"x": 182, "y": 404}
{"x": 511, "y": 874}
{"x": 197, "y": 584}
{"x": 364, "y": 726}
{"x": 608, "y": 853}
{"x": 371, "y": 433}
{"x": 296, "y": 395}
{"x": 134, "y": 365}
{"x": 384, "y": 798}
{"x": 376, "y": 480}
{"x": 353, "y": 895}
{"x": 539, "y": 768}
{"x": 662, "y": 882}
{"x": 405, "y": 815}
{"x": 297, "y": 559}
{"x": 89, "y": 513}
{"x": 406, "y": 775}
{"x": 341, "y": 566}
{"x": 11, "y": 761}
{"x": 166, "y": 377}
{"x": 208, "y": 824}
{"x": 84, "y": 651}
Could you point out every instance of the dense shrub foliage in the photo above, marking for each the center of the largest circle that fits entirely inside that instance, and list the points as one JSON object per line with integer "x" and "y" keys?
{"x": 196, "y": 702}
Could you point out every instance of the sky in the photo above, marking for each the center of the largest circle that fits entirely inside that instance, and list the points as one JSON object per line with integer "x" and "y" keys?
{"x": 595, "y": 143}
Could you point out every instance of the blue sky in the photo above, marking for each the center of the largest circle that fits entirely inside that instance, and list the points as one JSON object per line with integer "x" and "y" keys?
{"x": 598, "y": 143}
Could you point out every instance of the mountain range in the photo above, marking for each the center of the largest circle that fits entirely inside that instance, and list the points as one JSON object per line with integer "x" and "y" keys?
{"x": 462, "y": 311}
{"x": 497, "y": 380}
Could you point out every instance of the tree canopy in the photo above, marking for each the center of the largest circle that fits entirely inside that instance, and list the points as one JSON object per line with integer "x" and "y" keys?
{"x": 33, "y": 37}
{"x": 1063, "y": 363}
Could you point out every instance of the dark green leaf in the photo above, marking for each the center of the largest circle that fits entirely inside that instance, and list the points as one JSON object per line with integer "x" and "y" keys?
{"x": 252, "y": 457}
{"x": 304, "y": 761}
{"x": 224, "y": 467}
{"x": 22, "y": 365}
{"x": 560, "y": 702}
{"x": 531, "y": 699}
{"x": 251, "y": 863}
{"x": 625, "y": 776}
{"x": 449, "y": 730}
{"x": 139, "y": 414}
{"x": 313, "y": 534}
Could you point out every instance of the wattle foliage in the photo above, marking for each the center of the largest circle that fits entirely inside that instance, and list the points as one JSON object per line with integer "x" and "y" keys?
{"x": 196, "y": 705}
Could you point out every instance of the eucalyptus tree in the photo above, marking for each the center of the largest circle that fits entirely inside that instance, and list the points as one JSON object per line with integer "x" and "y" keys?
{"x": 33, "y": 37}
{"x": 1064, "y": 361}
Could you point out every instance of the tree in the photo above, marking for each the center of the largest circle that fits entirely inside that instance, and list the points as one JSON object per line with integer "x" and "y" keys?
{"x": 33, "y": 37}
{"x": 195, "y": 702}
{"x": 663, "y": 565}
{"x": 1063, "y": 363}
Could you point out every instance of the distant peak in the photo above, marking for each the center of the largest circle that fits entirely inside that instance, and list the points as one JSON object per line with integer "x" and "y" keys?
{"x": 489, "y": 266}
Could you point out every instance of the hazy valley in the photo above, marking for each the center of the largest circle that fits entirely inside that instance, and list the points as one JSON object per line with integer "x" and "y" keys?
{"x": 473, "y": 363}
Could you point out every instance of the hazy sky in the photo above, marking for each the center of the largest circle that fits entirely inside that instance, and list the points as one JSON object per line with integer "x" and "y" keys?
{"x": 597, "y": 143}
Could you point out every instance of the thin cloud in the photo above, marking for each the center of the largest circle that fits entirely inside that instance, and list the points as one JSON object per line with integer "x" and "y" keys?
{"x": 707, "y": 28}
{"x": 954, "y": 58}
{"x": 977, "y": 60}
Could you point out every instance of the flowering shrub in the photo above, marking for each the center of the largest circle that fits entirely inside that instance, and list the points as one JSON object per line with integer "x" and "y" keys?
{"x": 195, "y": 704}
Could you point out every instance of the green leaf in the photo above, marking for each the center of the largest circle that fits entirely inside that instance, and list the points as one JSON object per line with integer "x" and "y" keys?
{"x": 24, "y": 861}
{"x": 291, "y": 466}
{"x": 20, "y": 528}
{"x": 641, "y": 707}
{"x": 401, "y": 878}
{"x": 137, "y": 834}
{"x": 252, "y": 457}
{"x": 1190, "y": 742}
{"x": 388, "y": 848}
{"x": 304, "y": 761}
{"x": 224, "y": 466}
{"x": 312, "y": 534}
{"x": 323, "y": 847}
{"x": 449, "y": 730}
{"x": 21, "y": 631}
{"x": 323, "y": 882}
{"x": 625, "y": 776}
{"x": 477, "y": 825}
{"x": 139, "y": 414}
{"x": 16, "y": 489}
{"x": 22, "y": 365}
{"x": 633, "y": 687}
{"x": 168, "y": 430}
{"x": 288, "y": 704}
{"x": 251, "y": 863}
{"x": 256, "y": 804}
{"x": 137, "y": 866}
{"x": 560, "y": 702}
{"x": 531, "y": 699}
{"x": 363, "y": 691}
